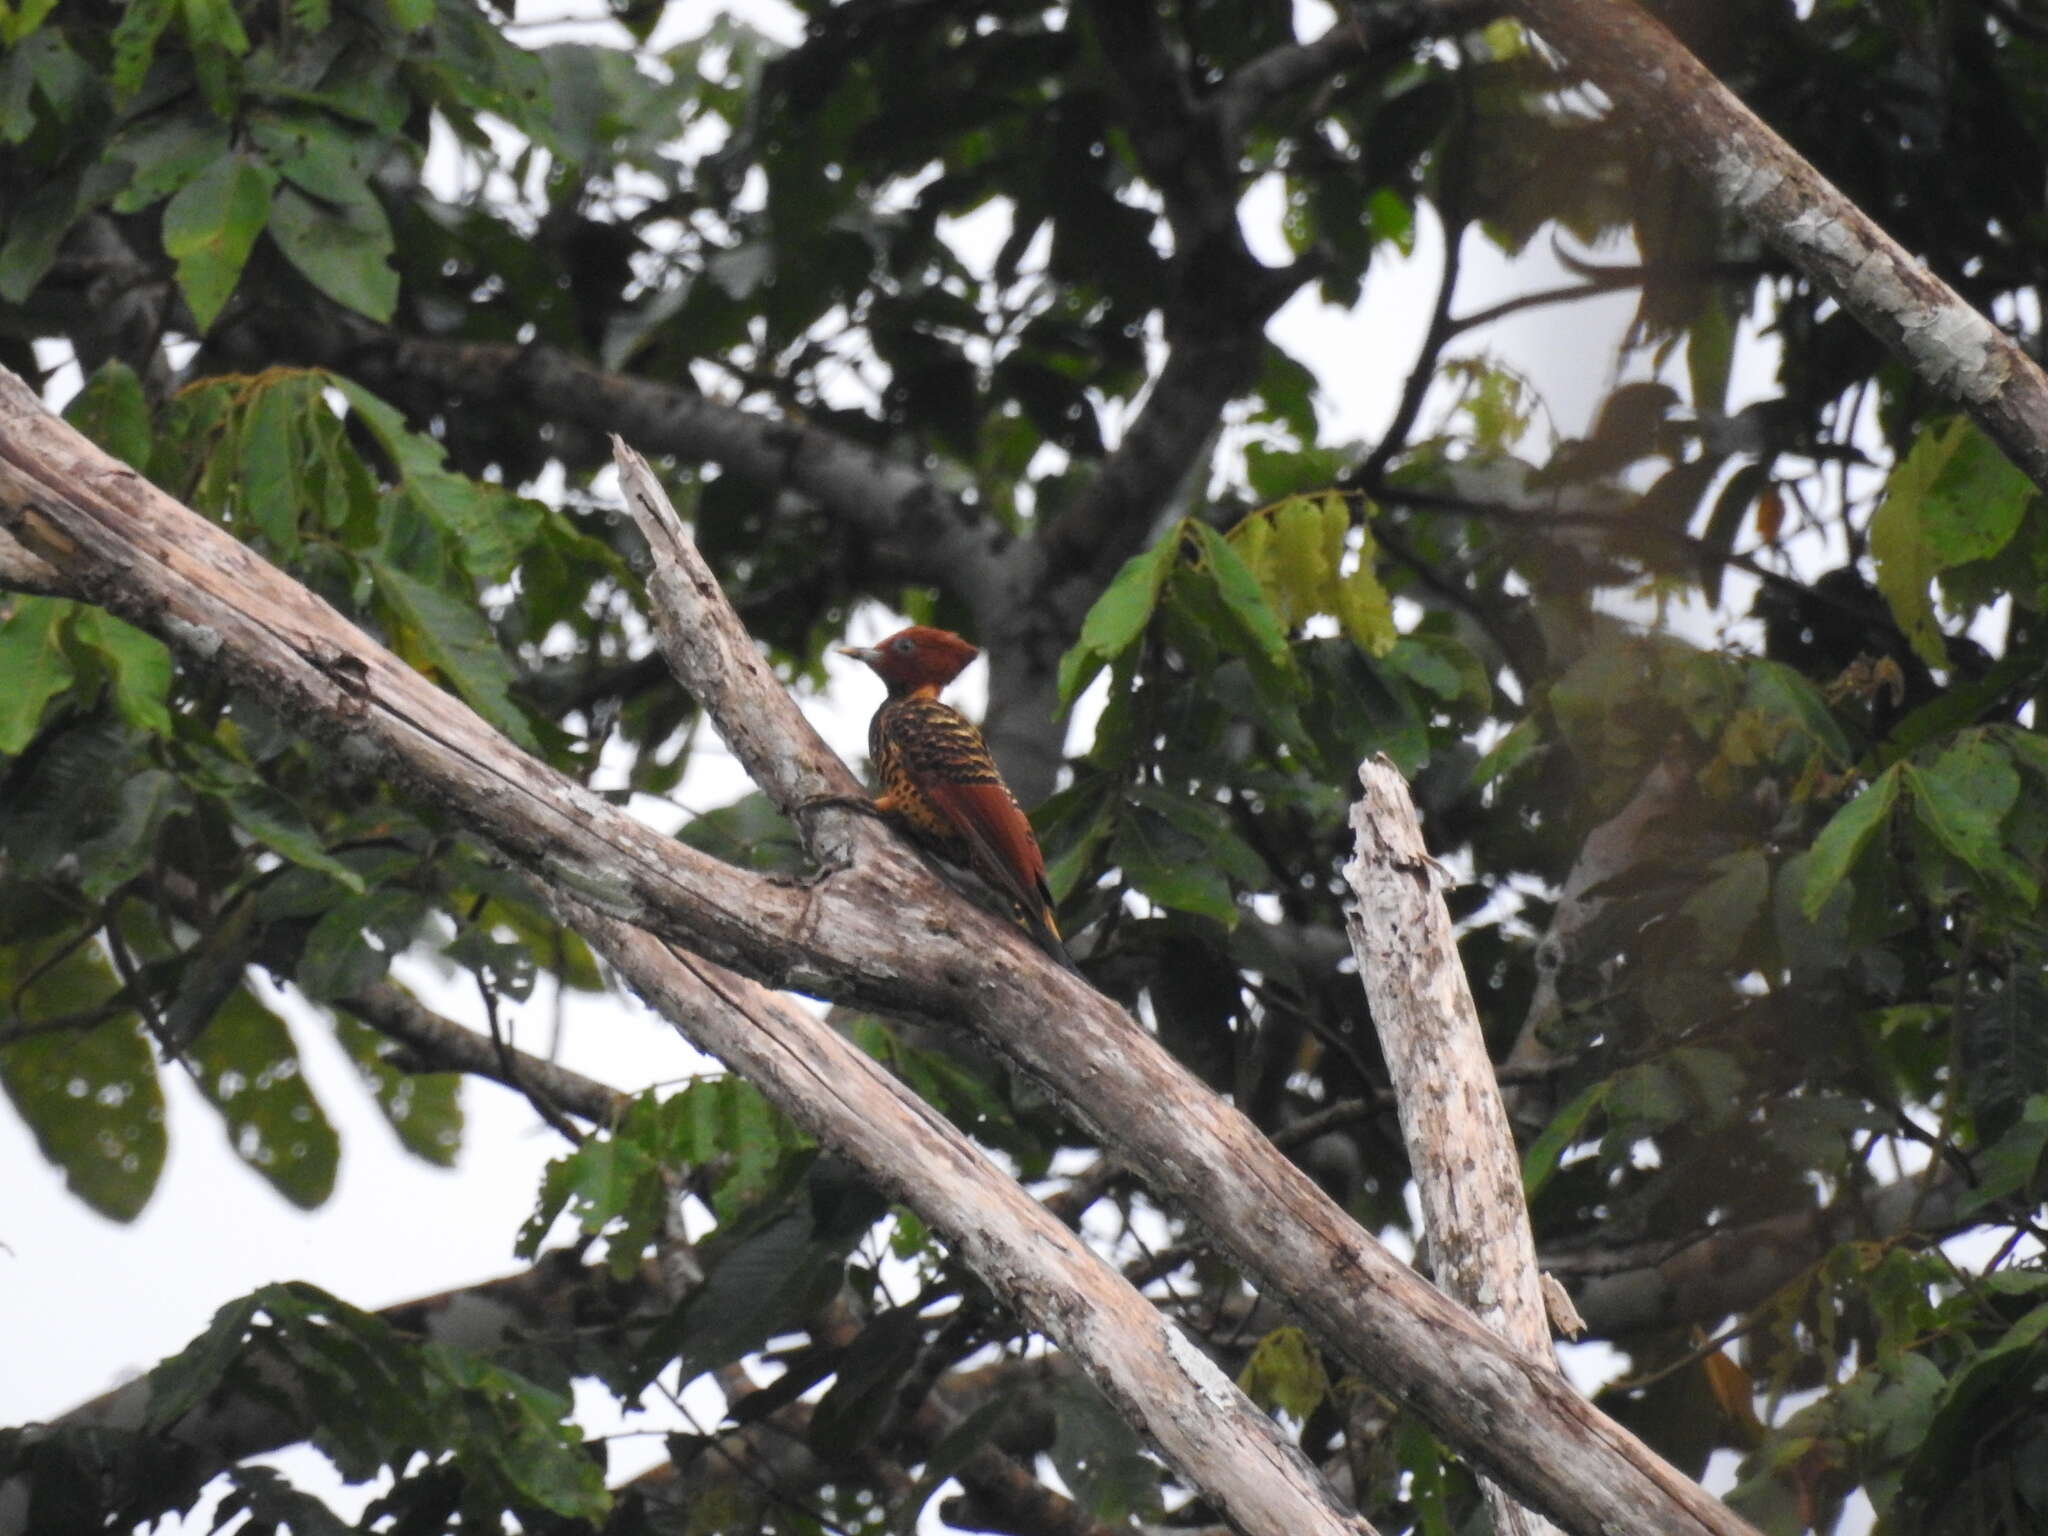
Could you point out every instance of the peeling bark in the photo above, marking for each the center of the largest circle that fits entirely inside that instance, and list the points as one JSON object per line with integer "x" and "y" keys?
{"x": 1482, "y": 1249}
{"x": 879, "y": 931}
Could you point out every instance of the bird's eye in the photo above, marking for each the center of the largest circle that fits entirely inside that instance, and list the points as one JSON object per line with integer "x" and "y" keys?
{"x": 904, "y": 646}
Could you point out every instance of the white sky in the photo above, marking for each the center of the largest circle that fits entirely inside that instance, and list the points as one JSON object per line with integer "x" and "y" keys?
{"x": 91, "y": 1302}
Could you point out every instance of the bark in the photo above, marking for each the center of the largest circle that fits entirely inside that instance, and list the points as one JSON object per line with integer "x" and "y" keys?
{"x": 443, "y": 1045}
{"x": 875, "y": 930}
{"x": 1162, "y": 1382}
{"x": 1482, "y": 1249}
{"x": 1752, "y": 172}
{"x": 21, "y": 571}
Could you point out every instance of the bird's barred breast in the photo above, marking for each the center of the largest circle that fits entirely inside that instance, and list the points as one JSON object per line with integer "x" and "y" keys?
{"x": 919, "y": 741}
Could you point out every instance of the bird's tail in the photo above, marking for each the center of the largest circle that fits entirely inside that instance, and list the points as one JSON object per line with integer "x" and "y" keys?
{"x": 1045, "y": 934}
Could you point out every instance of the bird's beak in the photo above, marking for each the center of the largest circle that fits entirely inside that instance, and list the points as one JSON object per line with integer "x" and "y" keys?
{"x": 861, "y": 653}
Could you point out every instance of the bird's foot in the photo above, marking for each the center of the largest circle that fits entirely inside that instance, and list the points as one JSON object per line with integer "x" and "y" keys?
{"x": 840, "y": 802}
{"x": 832, "y": 864}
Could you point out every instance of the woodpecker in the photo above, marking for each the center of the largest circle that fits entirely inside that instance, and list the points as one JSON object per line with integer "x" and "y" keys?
{"x": 939, "y": 781}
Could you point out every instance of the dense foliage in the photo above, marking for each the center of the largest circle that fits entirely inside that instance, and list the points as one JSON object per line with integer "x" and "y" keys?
{"x": 1726, "y": 716}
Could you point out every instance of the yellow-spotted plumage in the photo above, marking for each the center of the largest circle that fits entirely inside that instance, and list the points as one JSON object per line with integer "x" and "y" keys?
{"x": 938, "y": 779}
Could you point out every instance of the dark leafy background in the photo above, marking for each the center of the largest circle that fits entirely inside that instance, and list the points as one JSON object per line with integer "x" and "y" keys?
{"x": 1819, "y": 950}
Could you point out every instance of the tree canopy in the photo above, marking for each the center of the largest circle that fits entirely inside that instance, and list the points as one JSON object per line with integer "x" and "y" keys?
{"x": 1722, "y": 711}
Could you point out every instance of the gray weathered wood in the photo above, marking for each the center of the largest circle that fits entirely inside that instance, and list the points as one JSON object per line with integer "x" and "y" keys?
{"x": 880, "y": 932}
{"x": 1752, "y": 172}
{"x": 1481, "y": 1247}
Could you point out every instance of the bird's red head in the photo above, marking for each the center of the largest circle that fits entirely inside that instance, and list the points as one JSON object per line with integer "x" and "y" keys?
{"x": 917, "y": 657}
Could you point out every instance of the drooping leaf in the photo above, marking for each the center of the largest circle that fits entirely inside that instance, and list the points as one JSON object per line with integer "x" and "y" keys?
{"x": 33, "y": 661}
{"x": 112, "y": 411}
{"x": 138, "y": 664}
{"x": 248, "y": 1067}
{"x": 440, "y": 632}
{"x": 1545, "y": 1152}
{"x": 210, "y": 228}
{"x": 1962, "y": 797}
{"x": 343, "y": 250}
{"x": 1843, "y": 839}
{"x": 1954, "y": 498}
{"x": 424, "y": 1108}
{"x": 82, "y": 1076}
{"x": 1286, "y": 1372}
{"x": 1118, "y": 617}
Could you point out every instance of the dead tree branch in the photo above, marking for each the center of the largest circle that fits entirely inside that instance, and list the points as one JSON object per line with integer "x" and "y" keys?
{"x": 1482, "y": 1249}
{"x": 1751, "y": 171}
{"x": 881, "y": 932}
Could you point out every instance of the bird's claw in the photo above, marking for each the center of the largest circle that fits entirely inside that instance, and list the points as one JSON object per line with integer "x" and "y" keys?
{"x": 840, "y": 802}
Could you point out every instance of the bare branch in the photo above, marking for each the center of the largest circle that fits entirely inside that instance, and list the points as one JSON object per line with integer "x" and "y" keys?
{"x": 1360, "y": 35}
{"x": 881, "y": 933}
{"x": 1753, "y": 172}
{"x": 443, "y": 1045}
{"x": 1728, "y": 1272}
{"x": 1159, "y": 1379}
{"x": 21, "y": 571}
{"x": 1481, "y": 1247}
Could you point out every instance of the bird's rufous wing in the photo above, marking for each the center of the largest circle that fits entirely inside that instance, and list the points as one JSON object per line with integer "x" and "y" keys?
{"x": 986, "y": 816}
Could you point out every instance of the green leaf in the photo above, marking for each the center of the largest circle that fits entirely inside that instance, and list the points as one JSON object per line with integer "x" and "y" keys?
{"x": 33, "y": 661}
{"x": 1547, "y": 1150}
{"x": 351, "y": 945}
{"x": 343, "y": 250}
{"x": 1297, "y": 574}
{"x": 89, "y": 1094}
{"x": 112, "y": 411}
{"x": 444, "y": 635}
{"x": 847, "y": 1417}
{"x": 167, "y": 150}
{"x": 195, "y": 1373}
{"x": 1363, "y": 605}
{"x": 1954, "y": 498}
{"x": 1098, "y": 1455}
{"x": 1241, "y": 595}
{"x": 1509, "y": 753}
{"x": 1780, "y": 693}
{"x": 521, "y": 1436}
{"x": 19, "y": 20}
{"x": 488, "y": 524}
{"x": 211, "y": 226}
{"x": 274, "y": 497}
{"x": 1710, "y": 353}
{"x": 279, "y": 825}
{"x": 1728, "y": 908}
{"x": 135, "y": 38}
{"x": 215, "y": 22}
{"x": 248, "y": 1067}
{"x": 316, "y": 154}
{"x": 1285, "y": 1371}
{"x": 116, "y": 855}
{"x": 1172, "y": 865}
{"x": 139, "y": 664}
{"x": 1976, "y": 499}
{"x": 947, "y": 1457}
{"x": 35, "y": 230}
{"x": 1962, "y": 797}
{"x": 1843, "y": 839}
{"x": 1118, "y": 617}
{"x": 424, "y": 1108}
